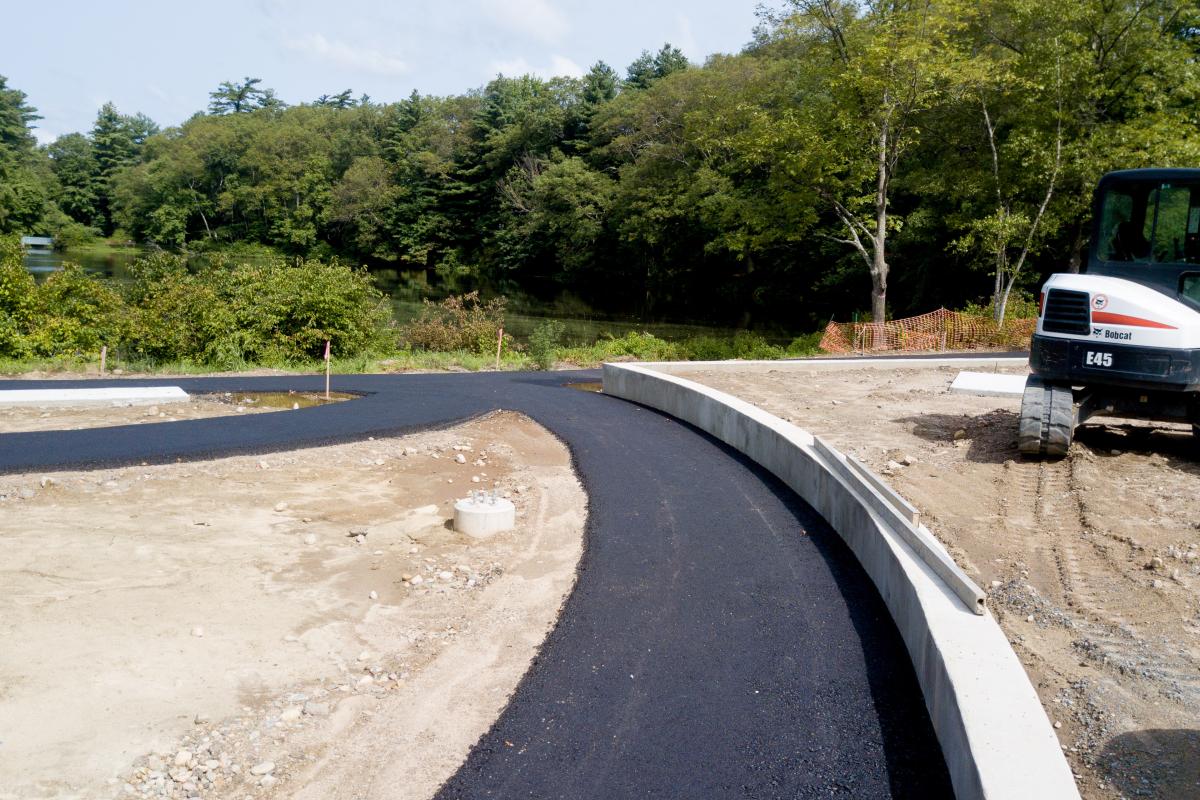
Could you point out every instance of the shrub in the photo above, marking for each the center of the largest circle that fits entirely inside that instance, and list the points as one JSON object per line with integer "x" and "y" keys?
{"x": 16, "y": 298}
{"x": 460, "y": 322}
{"x": 632, "y": 346}
{"x": 544, "y": 342}
{"x": 75, "y": 313}
{"x": 227, "y": 316}
{"x": 743, "y": 345}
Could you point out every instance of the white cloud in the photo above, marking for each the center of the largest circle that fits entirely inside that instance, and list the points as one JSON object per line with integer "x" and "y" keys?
{"x": 536, "y": 19}
{"x": 558, "y": 66}
{"x": 363, "y": 59}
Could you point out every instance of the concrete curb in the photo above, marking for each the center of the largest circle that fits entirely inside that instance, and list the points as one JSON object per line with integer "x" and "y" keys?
{"x": 994, "y": 734}
{"x": 105, "y": 396}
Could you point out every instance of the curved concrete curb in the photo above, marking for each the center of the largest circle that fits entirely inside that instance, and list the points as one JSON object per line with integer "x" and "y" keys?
{"x": 994, "y": 734}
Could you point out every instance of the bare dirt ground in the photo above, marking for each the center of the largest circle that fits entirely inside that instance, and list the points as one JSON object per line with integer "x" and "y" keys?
{"x": 1092, "y": 563}
{"x": 302, "y": 624}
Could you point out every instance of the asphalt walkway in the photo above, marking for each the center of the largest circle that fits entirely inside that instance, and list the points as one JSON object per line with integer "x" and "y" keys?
{"x": 721, "y": 641}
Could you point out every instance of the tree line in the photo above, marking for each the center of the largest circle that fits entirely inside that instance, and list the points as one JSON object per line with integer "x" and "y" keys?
{"x": 875, "y": 157}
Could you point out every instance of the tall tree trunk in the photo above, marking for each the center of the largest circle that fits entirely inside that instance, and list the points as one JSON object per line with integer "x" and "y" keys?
{"x": 879, "y": 265}
{"x": 1075, "y": 259}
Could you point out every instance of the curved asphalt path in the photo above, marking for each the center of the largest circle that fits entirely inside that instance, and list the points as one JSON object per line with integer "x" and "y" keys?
{"x": 720, "y": 642}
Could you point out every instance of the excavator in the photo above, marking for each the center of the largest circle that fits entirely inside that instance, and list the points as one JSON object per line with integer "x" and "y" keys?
{"x": 1121, "y": 338}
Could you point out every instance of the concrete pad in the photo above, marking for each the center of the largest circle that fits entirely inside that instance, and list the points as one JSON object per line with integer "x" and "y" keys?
{"x": 118, "y": 395}
{"x": 989, "y": 384}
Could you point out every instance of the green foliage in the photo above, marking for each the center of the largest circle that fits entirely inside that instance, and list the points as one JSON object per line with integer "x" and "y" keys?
{"x": 74, "y": 313}
{"x": 744, "y": 345}
{"x": 457, "y": 323}
{"x": 632, "y": 346}
{"x": 544, "y": 341}
{"x": 16, "y": 298}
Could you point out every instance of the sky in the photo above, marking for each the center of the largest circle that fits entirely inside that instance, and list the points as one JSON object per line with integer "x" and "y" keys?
{"x": 163, "y": 57}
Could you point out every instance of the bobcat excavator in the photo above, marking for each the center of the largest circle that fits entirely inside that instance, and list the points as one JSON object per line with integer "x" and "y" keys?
{"x": 1122, "y": 337}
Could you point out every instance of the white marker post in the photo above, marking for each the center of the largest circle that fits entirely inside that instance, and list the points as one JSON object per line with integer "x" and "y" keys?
{"x": 103, "y": 357}
{"x": 327, "y": 369}
{"x": 499, "y": 344}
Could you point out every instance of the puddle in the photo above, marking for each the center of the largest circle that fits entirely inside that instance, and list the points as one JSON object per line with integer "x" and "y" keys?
{"x": 586, "y": 386}
{"x": 281, "y": 400}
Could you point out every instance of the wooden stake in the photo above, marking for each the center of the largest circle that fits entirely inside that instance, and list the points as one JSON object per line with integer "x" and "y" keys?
{"x": 499, "y": 344}
{"x": 103, "y": 357}
{"x": 327, "y": 369}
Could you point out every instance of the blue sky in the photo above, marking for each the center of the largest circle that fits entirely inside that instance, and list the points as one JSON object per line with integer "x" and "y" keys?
{"x": 163, "y": 57}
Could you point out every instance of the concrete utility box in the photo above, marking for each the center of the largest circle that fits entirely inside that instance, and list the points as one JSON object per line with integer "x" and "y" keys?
{"x": 483, "y": 515}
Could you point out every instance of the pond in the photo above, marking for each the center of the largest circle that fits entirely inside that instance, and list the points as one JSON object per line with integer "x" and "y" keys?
{"x": 113, "y": 261}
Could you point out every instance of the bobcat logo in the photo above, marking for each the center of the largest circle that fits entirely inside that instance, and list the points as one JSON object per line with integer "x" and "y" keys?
{"x": 1097, "y": 331}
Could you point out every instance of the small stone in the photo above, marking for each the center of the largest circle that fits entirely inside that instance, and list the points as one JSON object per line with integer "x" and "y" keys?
{"x": 180, "y": 774}
{"x": 267, "y": 781}
{"x": 460, "y": 459}
{"x": 281, "y": 506}
{"x": 1156, "y": 563}
{"x": 360, "y": 539}
{"x": 1157, "y": 584}
{"x": 1029, "y": 618}
{"x": 263, "y": 768}
{"x": 893, "y": 466}
{"x": 374, "y": 595}
{"x": 290, "y": 715}
{"x": 417, "y": 580}
{"x": 202, "y": 719}
{"x": 908, "y": 460}
{"x": 1057, "y": 724}
{"x": 1115, "y": 452}
{"x": 46, "y": 482}
{"x": 474, "y": 479}
{"x": 182, "y": 758}
{"x": 310, "y": 538}
{"x": 996, "y": 584}
{"x": 263, "y": 465}
{"x": 960, "y": 434}
{"x": 198, "y": 632}
{"x": 446, "y": 575}
{"x": 314, "y": 709}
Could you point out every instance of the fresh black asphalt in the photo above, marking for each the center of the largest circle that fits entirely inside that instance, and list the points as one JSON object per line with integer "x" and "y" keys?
{"x": 721, "y": 642}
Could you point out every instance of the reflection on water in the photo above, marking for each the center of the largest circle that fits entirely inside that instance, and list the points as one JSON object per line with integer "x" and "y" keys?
{"x": 109, "y": 262}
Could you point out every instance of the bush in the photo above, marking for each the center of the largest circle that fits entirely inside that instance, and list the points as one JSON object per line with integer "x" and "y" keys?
{"x": 75, "y": 313}
{"x": 279, "y": 311}
{"x": 632, "y": 346}
{"x": 460, "y": 322}
{"x": 743, "y": 345}
{"x": 544, "y": 342}
{"x": 16, "y": 298}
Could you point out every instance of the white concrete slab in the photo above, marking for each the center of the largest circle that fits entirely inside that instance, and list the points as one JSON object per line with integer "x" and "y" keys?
{"x": 108, "y": 396}
{"x": 989, "y": 384}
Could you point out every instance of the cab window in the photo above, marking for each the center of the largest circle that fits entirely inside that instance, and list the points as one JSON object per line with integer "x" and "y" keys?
{"x": 1150, "y": 223}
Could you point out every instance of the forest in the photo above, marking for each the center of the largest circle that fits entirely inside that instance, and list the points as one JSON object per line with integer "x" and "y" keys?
{"x": 869, "y": 158}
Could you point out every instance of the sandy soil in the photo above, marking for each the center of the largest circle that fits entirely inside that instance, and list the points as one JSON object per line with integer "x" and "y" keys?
{"x": 1092, "y": 563}
{"x": 302, "y": 624}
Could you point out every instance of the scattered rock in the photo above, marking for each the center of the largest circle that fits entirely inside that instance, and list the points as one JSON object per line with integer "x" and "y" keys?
{"x": 47, "y": 482}
{"x": 417, "y": 580}
{"x": 474, "y": 479}
{"x": 908, "y": 460}
{"x": 267, "y": 781}
{"x": 310, "y": 538}
{"x": 202, "y": 719}
{"x": 893, "y": 466}
{"x": 960, "y": 434}
{"x": 460, "y": 458}
{"x": 280, "y": 506}
{"x": 198, "y": 632}
{"x": 182, "y": 758}
{"x": 374, "y": 595}
{"x": 290, "y": 715}
{"x": 446, "y": 575}
{"x": 263, "y": 768}
{"x": 314, "y": 709}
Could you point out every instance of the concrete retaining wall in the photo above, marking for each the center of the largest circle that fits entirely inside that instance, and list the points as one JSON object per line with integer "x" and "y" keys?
{"x": 994, "y": 734}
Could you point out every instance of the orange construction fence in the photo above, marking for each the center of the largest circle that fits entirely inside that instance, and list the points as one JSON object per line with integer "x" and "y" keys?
{"x": 938, "y": 330}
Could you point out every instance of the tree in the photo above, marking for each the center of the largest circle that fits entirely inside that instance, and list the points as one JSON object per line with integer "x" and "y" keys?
{"x": 24, "y": 179}
{"x": 117, "y": 141}
{"x": 235, "y": 98}
{"x": 873, "y": 69}
{"x": 340, "y": 100}
{"x": 73, "y": 160}
{"x": 650, "y": 67}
